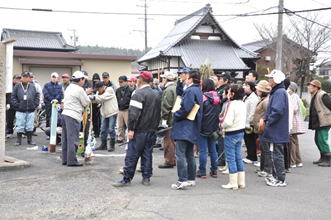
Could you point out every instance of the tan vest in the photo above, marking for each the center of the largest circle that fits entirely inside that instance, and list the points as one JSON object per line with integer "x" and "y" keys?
{"x": 324, "y": 114}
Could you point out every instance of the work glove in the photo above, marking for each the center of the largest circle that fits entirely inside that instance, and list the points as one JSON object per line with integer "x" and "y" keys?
{"x": 164, "y": 123}
{"x": 7, "y": 106}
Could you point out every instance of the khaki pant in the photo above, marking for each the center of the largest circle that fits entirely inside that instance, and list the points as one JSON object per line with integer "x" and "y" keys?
{"x": 295, "y": 152}
{"x": 122, "y": 124}
{"x": 169, "y": 149}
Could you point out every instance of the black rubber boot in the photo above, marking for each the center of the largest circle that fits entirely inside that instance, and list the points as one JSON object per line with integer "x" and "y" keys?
{"x": 19, "y": 139}
{"x": 326, "y": 162}
{"x": 320, "y": 160}
{"x": 103, "y": 145}
{"x": 112, "y": 145}
{"x": 29, "y": 138}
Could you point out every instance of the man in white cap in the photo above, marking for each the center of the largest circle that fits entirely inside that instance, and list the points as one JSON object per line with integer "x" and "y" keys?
{"x": 52, "y": 91}
{"x": 167, "y": 103}
{"x": 276, "y": 133}
{"x": 74, "y": 101}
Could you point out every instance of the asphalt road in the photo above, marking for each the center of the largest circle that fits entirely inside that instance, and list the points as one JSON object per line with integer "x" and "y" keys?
{"x": 48, "y": 190}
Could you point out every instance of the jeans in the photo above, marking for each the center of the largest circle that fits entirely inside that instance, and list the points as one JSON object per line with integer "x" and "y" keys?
{"x": 232, "y": 146}
{"x": 24, "y": 121}
{"x": 140, "y": 146}
{"x": 204, "y": 144}
{"x": 108, "y": 126}
{"x": 185, "y": 160}
{"x": 278, "y": 165}
{"x": 266, "y": 163}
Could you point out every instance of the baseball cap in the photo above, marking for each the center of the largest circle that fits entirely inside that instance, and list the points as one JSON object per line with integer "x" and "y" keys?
{"x": 123, "y": 78}
{"x": 277, "y": 75}
{"x": 16, "y": 76}
{"x": 105, "y": 75}
{"x": 225, "y": 75}
{"x": 78, "y": 75}
{"x": 55, "y": 75}
{"x": 184, "y": 70}
{"x": 169, "y": 75}
{"x": 25, "y": 73}
{"x": 132, "y": 79}
{"x": 146, "y": 75}
{"x": 66, "y": 75}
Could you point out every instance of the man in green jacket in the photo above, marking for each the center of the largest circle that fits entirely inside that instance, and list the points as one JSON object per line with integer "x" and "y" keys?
{"x": 167, "y": 103}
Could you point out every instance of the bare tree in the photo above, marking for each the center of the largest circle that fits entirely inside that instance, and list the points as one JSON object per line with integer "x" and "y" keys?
{"x": 304, "y": 39}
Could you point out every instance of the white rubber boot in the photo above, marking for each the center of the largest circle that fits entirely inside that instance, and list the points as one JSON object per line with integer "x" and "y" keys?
{"x": 233, "y": 182}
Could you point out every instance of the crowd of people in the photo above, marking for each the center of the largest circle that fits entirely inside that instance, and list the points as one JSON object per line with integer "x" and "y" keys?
{"x": 188, "y": 116}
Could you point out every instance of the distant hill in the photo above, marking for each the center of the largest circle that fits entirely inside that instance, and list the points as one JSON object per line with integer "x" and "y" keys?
{"x": 109, "y": 51}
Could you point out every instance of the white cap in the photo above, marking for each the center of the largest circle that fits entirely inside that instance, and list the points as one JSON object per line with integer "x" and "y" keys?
{"x": 78, "y": 75}
{"x": 277, "y": 75}
{"x": 55, "y": 74}
{"x": 169, "y": 75}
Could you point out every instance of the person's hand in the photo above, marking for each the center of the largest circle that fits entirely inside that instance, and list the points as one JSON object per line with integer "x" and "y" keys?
{"x": 89, "y": 91}
{"x": 130, "y": 135}
{"x": 54, "y": 101}
{"x": 8, "y": 106}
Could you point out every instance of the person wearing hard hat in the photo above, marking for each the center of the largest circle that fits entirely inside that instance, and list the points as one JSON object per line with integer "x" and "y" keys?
{"x": 75, "y": 99}
{"x": 276, "y": 132}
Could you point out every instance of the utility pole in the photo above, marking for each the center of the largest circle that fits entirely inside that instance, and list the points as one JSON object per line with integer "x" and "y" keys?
{"x": 146, "y": 46}
{"x": 279, "y": 48}
{"x": 74, "y": 38}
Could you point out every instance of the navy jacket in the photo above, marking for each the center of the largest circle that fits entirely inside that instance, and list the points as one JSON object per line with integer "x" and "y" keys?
{"x": 32, "y": 98}
{"x": 184, "y": 129}
{"x": 277, "y": 117}
{"x": 52, "y": 91}
{"x": 211, "y": 111}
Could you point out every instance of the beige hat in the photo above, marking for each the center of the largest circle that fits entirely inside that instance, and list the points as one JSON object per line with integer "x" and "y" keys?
{"x": 169, "y": 75}
{"x": 263, "y": 86}
{"x": 316, "y": 83}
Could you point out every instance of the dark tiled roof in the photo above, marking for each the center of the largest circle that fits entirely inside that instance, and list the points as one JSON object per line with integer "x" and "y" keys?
{"x": 37, "y": 40}
{"x": 178, "y": 43}
{"x": 222, "y": 55}
{"x": 256, "y": 46}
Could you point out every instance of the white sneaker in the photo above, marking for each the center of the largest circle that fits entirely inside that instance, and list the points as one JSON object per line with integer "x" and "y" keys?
{"x": 179, "y": 185}
{"x": 278, "y": 183}
{"x": 190, "y": 183}
{"x": 248, "y": 161}
{"x": 270, "y": 179}
{"x": 293, "y": 166}
{"x": 9, "y": 135}
{"x": 257, "y": 163}
{"x": 299, "y": 165}
{"x": 264, "y": 174}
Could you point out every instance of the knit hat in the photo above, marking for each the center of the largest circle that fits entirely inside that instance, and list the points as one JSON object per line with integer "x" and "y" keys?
{"x": 315, "y": 83}
{"x": 293, "y": 86}
{"x": 263, "y": 86}
{"x": 95, "y": 76}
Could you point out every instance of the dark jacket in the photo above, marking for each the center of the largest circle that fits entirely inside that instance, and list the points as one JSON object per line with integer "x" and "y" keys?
{"x": 184, "y": 129}
{"x": 32, "y": 98}
{"x": 180, "y": 88}
{"x": 277, "y": 116}
{"x": 211, "y": 111}
{"x": 110, "y": 84}
{"x": 144, "y": 110}
{"x": 52, "y": 91}
{"x": 123, "y": 95}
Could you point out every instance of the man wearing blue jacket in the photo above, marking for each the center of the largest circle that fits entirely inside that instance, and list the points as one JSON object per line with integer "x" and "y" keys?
{"x": 276, "y": 132}
{"x": 186, "y": 131}
{"x": 52, "y": 90}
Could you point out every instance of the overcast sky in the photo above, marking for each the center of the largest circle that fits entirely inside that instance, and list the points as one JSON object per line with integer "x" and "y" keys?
{"x": 123, "y": 31}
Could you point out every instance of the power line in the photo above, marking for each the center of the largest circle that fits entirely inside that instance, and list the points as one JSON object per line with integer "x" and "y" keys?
{"x": 289, "y": 12}
{"x": 158, "y": 14}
